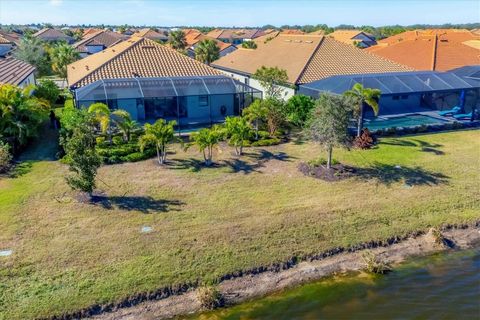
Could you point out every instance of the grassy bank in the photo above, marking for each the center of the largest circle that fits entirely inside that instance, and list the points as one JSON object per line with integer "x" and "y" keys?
{"x": 246, "y": 212}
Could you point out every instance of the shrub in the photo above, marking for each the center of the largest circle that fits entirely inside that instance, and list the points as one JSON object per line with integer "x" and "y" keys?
{"x": 100, "y": 140}
{"x": 117, "y": 140}
{"x": 365, "y": 141}
{"x": 390, "y": 131}
{"x": 5, "y": 157}
{"x": 457, "y": 125}
{"x": 210, "y": 297}
{"x": 374, "y": 264}
{"x": 299, "y": 109}
{"x": 321, "y": 162}
{"x": 263, "y": 135}
{"x": 266, "y": 142}
{"x": 422, "y": 128}
{"x": 48, "y": 90}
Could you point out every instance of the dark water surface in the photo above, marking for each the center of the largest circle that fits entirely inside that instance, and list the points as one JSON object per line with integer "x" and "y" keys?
{"x": 443, "y": 286}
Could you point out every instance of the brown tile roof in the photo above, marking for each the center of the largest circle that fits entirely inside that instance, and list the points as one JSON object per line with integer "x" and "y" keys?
{"x": 434, "y": 49}
{"x": 306, "y": 58}
{"x": 292, "y": 31}
{"x": 236, "y": 33}
{"x": 9, "y": 37}
{"x": 102, "y": 37}
{"x": 14, "y": 71}
{"x": 151, "y": 34}
{"x": 193, "y": 36}
{"x": 49, "y": 34}
{"x": 346, "y": 36}
{"x": 138, "y": 57}
{"x": 90, "y": 31}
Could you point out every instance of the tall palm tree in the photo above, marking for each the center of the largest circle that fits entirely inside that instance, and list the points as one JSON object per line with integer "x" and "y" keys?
{"x": 62, "y": 55}
{"x": 176, "y": 39}
{"x": 124, "y": 122}
{"x": 363, "y": 96}
{"x": 207, "y": 51}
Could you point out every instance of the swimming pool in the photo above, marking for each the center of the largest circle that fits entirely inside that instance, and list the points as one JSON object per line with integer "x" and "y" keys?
{"x": 402, "y": 121}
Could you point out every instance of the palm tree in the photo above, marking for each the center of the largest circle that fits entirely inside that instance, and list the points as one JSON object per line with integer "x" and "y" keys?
{"x": 124, "y": 122}
{"x": 62, "y": 55}
{"x": 363, "y": 96}
{"x": 206, "y": 139}
{"x": 102, "y": 116}
{"x": 176, "y": 39}
{"x": 207, "y": 51}
{"x": 159, "y": 134}
{"x": 238, "y": 131}
{"x": 255, "y": 113}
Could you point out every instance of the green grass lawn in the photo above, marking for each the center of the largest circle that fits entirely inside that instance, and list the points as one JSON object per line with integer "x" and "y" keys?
{"x": 246, "y": 212}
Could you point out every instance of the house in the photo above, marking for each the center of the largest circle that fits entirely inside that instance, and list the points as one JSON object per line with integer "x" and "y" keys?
{"x": 235, "y": 36}
{"x": 16, "y": 72}
{"x": 305, "y": 58}
{"x": 431, "y": 49}
{"x": 194, "y": 37}
{"x": 152, "y": 81}
{"x": 7, "y": 44}
{"x": 357, "y": 38}
{"x": 152, "y": 35}
{"x": 53, "y": 35}
{"x": 97, "y": 41}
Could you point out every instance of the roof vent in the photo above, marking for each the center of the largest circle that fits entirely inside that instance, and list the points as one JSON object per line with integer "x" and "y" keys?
{"x": 298, "y": 41}
{"x": 308, "y": 41}
{"x": 288, "y": 40}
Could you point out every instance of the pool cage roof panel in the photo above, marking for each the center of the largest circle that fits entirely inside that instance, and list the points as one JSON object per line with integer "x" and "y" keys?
{"x": 134, "y": 88}
{"x": 392, "y": 83}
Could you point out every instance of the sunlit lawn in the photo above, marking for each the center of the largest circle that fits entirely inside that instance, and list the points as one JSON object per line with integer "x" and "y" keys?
{"x": 245, "y": 212}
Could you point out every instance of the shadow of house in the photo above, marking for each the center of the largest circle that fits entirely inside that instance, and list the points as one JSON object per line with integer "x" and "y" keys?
{"x": 137, "y": 203}
{"x": 388, "y": 174}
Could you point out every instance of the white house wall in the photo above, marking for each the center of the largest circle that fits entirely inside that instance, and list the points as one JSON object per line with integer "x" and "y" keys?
{"x": 27, "y": 81}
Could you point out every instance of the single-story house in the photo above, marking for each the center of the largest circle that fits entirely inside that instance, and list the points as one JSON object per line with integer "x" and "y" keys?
{"x": 354, "y": 37}
{"x": 431, "y": 49}
{"x": 305, "y": 58}
{"x": 98, "y": 41}
{"x": 53, "y": 35}
{"x": 153, "y": 81}
{"x": 193, "y": 37}
{"x": 235, "y": 36}
{"x": 152, "y": 34}
{"x": 8, "y": 41}
{"x": 426, "y": 96}
{"x": 16, "y": 72}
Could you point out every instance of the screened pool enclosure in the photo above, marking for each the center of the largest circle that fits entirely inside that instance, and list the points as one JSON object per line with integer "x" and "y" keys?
{"x": 191, "y": 101}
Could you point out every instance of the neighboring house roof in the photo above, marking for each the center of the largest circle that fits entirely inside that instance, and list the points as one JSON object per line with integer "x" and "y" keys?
{"x": 135, "y": 57}
{"x": 151, "y": 34}
{"x": 347, "y": 36}
{"x": 292, "y": 31}
{"x": 14, "y": 71}
{"x": 49, "y": 34}
{"x": 192, "y": 37}
{"x": 90, "y": 31}
{"x": 431, "y": 49}
{"x": 306, "y": 58}
{"x": 102, "y": 37}
{"x": 235, "y": 33}
{"x": 9, "y": 37}
{"x": 475, "y": 31}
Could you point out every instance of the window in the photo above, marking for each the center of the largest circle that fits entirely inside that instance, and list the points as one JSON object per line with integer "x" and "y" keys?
{"x": 405, "y": 97}
{"x": 396, "y": 97}
{"x": 203, "y": 101}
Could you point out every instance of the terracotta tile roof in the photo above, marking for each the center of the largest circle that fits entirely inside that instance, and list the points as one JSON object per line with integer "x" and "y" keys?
{"x": 434, "y": 49}
{"x": 346, "y": 36}
{"x": 475, "y": 31}
{"x": 306, "y": 58}
{"x": 9, "y": 37}
{"x": 102, "y": 37}
{"x": 292, "y": 31}
{"x": 49, "y": 34}
{"x": 138, "y": 57}
{"x": 236, "y": 33}
{"x": 90, "y": 31}
{"x": 192, "y": 37}
{"x": 151, "y": 34}
{"x": 14, "y": 71}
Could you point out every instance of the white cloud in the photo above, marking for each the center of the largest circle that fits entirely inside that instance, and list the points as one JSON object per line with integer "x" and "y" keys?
{"x": 56, "y": 3}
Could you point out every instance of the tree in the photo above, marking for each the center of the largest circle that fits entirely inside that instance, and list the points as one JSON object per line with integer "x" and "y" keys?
{"x": 176, "y": 39}
{"x": 275, "y": 114}
{"x": 159, "y": 134}
{"x": 238, "y": 131}
{"x": 102, "y": 117}
{"x": 206, "y": 139}
{"x": 328, "y": 125}
{"x": 249, "y": 44}
{"x": 255, "y": 113}
{"x": 207, "y": 51}
{"x": 82, "y": 158}
{"x": 21, "y": 114}
{"x": 62, "y": 55}
{"x": 32, "y": 51}
{"x": 298, "y": 109}
{"x": 273, "y": 80}
{"x": 123, "y": 120}
{"x": 48, "y": 90}
{"x": 361, "y": 97}
{"x": 5, "y": 157}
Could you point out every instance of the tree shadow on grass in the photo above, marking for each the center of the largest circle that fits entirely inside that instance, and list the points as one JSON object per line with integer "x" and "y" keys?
{"x": 145, "y": 205}
{"x": 423, "y": 145}
{"x": 238, "y": 165}
{"x": 194, "y": 165}
{"x": 388, "y": 174}
{"x": 265, "y": 155}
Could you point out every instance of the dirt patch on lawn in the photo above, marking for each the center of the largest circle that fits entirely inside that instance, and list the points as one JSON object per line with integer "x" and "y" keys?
{"x": 334, "y": 173}
{"x": 239, "y": 288}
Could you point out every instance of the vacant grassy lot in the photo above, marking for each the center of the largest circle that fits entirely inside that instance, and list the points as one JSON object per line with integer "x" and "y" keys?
{"x": 246, "y": 212}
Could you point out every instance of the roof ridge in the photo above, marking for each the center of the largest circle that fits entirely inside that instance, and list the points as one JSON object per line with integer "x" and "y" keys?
{"x": 300, "y": 74}
{"x": 87, "y": 38}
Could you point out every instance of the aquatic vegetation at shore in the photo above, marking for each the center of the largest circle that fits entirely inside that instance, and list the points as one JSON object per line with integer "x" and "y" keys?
{"x": 374, "y": 264}
{"x": 210, "y": 297}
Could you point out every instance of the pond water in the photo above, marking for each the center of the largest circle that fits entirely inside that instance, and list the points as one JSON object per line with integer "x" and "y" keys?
{"x": 444, "y": 286}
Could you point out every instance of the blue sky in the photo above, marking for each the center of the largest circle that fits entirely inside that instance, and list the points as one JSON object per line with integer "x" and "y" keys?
{"x": 239, "y": 13}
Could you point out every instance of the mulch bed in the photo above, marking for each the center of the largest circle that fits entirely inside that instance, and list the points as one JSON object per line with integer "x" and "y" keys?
{"x": 335, "y": 173}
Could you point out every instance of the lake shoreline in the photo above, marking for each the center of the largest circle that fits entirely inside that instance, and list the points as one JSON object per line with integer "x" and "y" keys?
{"x": 239, "y": 288}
